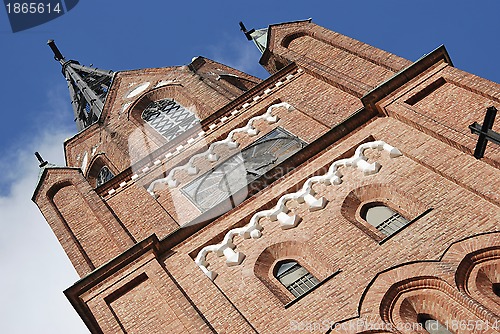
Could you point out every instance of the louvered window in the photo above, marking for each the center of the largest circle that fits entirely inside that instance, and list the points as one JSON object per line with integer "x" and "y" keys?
{"x": 169, "y": 118}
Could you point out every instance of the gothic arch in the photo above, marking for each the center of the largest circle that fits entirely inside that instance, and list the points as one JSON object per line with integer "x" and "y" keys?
{"x": 95, "y": 165}
{"x": 58, "y": 186}
{"x": 82, "y": 262}
{"x": 424, "y": 295}
{"x": 285, "y": 42}
{"x": 443, "y": 289}
{"x": 79, "y": 217}
{"x": 173, "y": 91}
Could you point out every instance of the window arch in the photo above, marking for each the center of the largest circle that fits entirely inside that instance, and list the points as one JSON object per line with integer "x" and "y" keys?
{"x": 227, "y": 184}
{"x": 169, "y": 118}
{"x": 273, "y": 256}
{"x": 100, "y": 170}
{"x": 483, "y": 281}
{"x": 382, "y": 210}
{"x": 383, "y": 218}
{"x": 294, "y": 277}
{"x": 104, "y": 176}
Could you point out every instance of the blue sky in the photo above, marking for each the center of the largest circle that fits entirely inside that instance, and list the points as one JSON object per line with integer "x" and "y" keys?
{"x": 121, "y": 35}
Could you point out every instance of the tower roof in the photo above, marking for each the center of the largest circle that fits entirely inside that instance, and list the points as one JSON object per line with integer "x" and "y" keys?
{"x": 88, "y": 87}
{"x": 259, "y": 37}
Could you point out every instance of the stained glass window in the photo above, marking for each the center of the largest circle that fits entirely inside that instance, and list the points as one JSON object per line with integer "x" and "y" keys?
{"x": 226, "y": 183}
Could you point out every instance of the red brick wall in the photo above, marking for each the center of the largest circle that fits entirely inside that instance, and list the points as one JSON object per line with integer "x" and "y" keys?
{"x": 87, "y": 230}
{"x": 442, "y": 264}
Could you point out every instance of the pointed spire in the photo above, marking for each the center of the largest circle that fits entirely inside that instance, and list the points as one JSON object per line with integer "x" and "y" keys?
{"x": 259, "y": 37}
{"x": 87, "y": 86}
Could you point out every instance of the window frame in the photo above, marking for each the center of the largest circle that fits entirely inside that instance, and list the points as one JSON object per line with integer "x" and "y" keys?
{"x": 234, "y": 199}
{"x": 99, "y": 161}
{"x": 372, "y": 231}
{"x": 109, "y": 172}
{"x": 366, "y": 206}
{"x": 307, "y": 277}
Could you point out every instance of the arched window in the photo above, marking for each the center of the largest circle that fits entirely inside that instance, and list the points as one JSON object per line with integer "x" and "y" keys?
{"x": 169, "y": 118}
{"x": 383, "y": 218}
{"x": 104, "y": 176}
{"x": 295, "y": 277}
{"x": 431, "y": 325}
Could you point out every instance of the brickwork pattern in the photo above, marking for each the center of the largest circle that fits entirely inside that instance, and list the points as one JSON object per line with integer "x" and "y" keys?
{"x": 443, "y": 264}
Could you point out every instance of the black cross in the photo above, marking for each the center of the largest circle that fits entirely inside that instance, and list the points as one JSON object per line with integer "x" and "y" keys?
{"x": 485, "y": 132}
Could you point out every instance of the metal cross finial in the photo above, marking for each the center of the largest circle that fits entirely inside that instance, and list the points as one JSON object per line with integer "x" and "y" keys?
{"x": 57, "y": 54}
{"x": 246, "y": 32}
{"x": 40, "y": 159}
{"x": 485, "y": 132}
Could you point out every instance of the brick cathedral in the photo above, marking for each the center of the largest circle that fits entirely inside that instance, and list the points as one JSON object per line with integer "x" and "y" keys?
{"x": 351, "y": 191}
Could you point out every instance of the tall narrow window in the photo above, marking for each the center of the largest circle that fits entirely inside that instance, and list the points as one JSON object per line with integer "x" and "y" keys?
{"x": 295, "y": 277}
{"x": 384, "y": 219}
{"x": 104, "y": 176}
{"x": 169, "y": 118}
{"x": 432, "y": 326}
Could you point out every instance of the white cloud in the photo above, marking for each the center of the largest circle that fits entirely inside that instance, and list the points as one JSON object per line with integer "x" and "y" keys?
{"x": 35, "y": 269}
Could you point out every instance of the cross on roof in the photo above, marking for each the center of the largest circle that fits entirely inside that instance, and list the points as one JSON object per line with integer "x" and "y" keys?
{"x": 485, "y": 132}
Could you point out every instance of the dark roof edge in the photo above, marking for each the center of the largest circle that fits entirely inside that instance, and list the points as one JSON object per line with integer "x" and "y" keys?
{"x": 402, "y": 77}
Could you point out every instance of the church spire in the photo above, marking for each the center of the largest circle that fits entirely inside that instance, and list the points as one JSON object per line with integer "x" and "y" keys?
{"x": 88, "y": 88}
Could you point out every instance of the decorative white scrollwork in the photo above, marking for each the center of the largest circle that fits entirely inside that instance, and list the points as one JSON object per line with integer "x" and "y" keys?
{"x": 280, "y": 211}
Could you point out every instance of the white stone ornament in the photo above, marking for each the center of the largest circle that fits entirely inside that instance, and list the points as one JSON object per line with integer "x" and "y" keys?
{"x": 281, "y": 212}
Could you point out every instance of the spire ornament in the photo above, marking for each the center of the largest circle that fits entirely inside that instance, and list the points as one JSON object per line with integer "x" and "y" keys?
{"x": 88, "y": 87}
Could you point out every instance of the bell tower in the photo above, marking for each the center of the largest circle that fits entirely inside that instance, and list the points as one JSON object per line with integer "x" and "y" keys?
{"x": 340, "y": 191}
